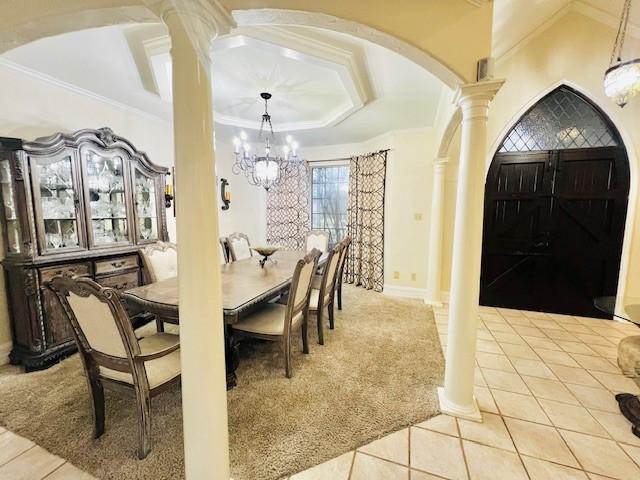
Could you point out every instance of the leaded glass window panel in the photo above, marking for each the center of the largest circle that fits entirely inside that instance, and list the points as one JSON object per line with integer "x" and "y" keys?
{"x": 560, "y": 121}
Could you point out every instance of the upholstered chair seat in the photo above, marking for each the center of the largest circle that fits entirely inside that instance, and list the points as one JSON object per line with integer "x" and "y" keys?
{"x": 160, "y": 370}
{"x": 315, "y": 297}
{"x": 629, "y": 356}
{"x": 277, "y": 322}
{"x": 267, "y": 321}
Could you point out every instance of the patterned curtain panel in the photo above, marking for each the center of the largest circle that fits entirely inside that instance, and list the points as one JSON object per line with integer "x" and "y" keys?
{"x": 288, "y": 217}
{"x": 365, "y": 261}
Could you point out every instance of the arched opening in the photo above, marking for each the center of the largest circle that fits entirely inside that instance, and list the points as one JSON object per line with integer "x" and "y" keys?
{"x": 555, "y": 209}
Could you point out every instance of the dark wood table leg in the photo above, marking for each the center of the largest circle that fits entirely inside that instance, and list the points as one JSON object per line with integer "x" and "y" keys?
{"x": 630, "y": 407}
{"x": 232, "y": 357}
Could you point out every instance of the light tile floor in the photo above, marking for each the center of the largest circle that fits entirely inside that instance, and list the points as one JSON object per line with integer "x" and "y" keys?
{"x": 544, "y": 382}
{"x": 21, "y": 459}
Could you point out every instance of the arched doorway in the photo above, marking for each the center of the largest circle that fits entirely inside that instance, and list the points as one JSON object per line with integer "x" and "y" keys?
{"x": 555, "y": 208}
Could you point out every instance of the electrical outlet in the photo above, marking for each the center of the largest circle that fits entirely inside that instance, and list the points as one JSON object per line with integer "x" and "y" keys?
{"x": 413, "y": 276}
{"x": 396, "y": 275}
{"x": 417, "y": 216}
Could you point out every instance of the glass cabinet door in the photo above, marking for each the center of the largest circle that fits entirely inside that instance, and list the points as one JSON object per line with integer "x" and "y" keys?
{"x": 9, "y": 208}
{"x": 105, "y": 189}
{"x": 56, "y": 202}
{"x": 146, "y": 200}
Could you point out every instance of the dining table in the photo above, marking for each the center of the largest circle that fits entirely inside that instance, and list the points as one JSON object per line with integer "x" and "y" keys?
{"x": 246, "y": 286}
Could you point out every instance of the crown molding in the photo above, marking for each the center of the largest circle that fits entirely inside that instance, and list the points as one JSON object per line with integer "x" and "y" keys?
{"x": 78, "y": 90}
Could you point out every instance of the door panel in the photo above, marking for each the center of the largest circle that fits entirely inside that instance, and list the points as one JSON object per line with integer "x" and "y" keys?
{"x": 553, "y": 230}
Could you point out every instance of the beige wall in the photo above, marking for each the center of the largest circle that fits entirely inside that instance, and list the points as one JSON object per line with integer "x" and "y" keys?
{"x": 575, "y": 50}
{"x": 408, "y": 202}
{"x": 247, "y": 211}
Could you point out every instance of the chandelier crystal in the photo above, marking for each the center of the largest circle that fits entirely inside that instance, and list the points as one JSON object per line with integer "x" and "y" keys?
{"x": 267, "y": 169}
{"x": 622, "y": 78}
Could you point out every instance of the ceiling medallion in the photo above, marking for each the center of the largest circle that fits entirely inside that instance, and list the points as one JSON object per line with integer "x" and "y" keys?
{"x": 622, "y": 78}
{"x": 266, "y": 170}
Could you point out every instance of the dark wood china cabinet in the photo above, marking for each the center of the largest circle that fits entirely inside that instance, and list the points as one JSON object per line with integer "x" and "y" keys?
{"x": 80, "y": 203}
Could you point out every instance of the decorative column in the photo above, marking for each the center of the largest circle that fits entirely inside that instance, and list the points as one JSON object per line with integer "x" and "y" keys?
{"x": 434, "y": 264}
{"x": 456, "y": 398}
{"x": 204, "y": 396}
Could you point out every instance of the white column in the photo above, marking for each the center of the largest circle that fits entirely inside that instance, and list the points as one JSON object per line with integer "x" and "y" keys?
{"x": 434, "y": 260}
{"x": 456, "y": 398}
{"x": 204, "y": 396}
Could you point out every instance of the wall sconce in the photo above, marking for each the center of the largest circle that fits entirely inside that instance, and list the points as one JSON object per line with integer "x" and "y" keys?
{"x": 224, "y": 195}
{"x": 168, "y": 195}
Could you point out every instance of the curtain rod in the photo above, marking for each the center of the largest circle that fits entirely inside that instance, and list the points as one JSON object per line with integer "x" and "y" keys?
{"x": 346, "y": 159}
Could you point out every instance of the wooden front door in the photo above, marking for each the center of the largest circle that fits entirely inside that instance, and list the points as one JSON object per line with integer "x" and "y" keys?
{"x": 553, "y": 229}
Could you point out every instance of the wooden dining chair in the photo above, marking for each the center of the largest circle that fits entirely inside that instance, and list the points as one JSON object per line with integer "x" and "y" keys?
{"x": 111, "y": 354}
{"x": 318, "y": 239}
{"x": 239, "y": 246}
{"x": 346, "y": 243}
{"x": 277, "y": 322}
{"x": 160, "y": 261}
{"x": 224, "y": 251}
{"x": 323, "y": 296}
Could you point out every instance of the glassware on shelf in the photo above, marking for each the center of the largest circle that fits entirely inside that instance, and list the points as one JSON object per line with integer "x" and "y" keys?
{"x": 107, "y": 204}
{"x": 146, "y": 207}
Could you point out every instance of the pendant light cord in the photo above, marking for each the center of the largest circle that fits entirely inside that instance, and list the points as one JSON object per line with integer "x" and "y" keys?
{"x": 616, "y": 55}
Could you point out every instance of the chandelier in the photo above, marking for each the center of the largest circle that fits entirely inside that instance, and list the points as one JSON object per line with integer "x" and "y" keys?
{"x": 266, "y": 169}
{"x": 622, "y": 78}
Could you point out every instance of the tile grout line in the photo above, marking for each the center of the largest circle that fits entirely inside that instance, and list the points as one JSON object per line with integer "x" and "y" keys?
{"x": 65, "y": 463}
{"x": 18, "y": 455}
{"x": 353, "y": 461}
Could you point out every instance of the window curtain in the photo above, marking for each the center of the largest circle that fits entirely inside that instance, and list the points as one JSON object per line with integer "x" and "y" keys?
{"x": 365, "y": 260}
{"x": 288, "y": 217}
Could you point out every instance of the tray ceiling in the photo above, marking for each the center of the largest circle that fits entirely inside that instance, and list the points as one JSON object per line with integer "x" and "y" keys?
{"x": 327, "y": 87}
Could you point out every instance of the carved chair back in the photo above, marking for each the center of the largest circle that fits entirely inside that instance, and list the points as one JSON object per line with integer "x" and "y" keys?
{"x": 101, "y": 325}
{"x": 346, "y": 243}
{"x": 160, "y": 261}
{"x": 300, "y": 290}
{"x": 328, "y": 283}
{"x": 239, "y": 246}
{"x": 318, "y": 239}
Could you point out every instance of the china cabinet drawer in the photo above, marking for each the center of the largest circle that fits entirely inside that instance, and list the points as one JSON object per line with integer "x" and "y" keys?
{"x": 74, "y": 269}
{"x": 112, "y": 265}
{"x": 120, "y": 282}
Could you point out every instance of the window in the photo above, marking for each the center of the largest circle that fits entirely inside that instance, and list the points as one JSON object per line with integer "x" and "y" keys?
{"x": 330, "y": 200}
{"x": 561, "y": 120}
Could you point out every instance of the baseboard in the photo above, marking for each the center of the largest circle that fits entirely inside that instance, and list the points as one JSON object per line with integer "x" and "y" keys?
{"x": 5, "y": 350}
{"x": 405, "y": 292}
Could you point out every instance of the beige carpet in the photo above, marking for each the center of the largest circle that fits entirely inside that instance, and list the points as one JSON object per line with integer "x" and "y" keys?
{"x": 377, "y": 373}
